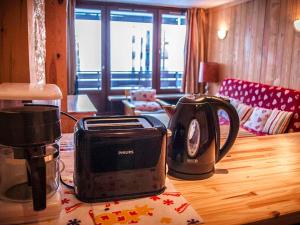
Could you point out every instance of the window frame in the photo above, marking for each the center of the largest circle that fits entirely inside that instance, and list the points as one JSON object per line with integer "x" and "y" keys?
{"x": 132, "y": 9}
{"x": 160, "y": 13}
{"x": 157, "y": 11}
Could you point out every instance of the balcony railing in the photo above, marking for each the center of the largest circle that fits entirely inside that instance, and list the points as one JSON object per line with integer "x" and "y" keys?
{"x": 121, "y": 80}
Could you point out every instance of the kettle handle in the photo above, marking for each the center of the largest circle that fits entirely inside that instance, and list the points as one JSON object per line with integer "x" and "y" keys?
{"x": 37, "y": 179}
{"x": 233, "y": 130}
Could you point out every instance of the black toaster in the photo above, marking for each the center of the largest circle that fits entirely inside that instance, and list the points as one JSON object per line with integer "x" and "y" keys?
{"x": 119, "y": 158}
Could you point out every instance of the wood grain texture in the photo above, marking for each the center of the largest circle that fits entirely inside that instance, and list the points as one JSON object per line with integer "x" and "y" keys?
{"x": 79, "y": 106}
{"x": 56, "y": 46}
{"x": 257, "y": 182}
{"x": 14, "y": 61}
{"x": 261, "y": 45}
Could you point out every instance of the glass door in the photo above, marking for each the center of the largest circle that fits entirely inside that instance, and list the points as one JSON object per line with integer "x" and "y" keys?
{"x": 123, "y": 47}
{"x": 172, "y": 41}
{"x": 90, "y": 37}
{"x": 88, "y": 24}
{"x": 131, "y": 49}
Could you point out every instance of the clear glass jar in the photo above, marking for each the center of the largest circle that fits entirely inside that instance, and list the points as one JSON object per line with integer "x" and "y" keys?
{"x": 15, "y": 173}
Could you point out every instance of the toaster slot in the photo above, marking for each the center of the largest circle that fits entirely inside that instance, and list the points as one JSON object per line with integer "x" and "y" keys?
{"x": 114, "y": 126}
{"x": 116, "y": 123}
{"x": 111, "y": 120}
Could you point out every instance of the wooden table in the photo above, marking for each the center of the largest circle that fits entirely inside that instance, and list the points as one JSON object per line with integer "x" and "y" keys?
{"x": 78, "y": 106}
{"x": 257, "y": 182}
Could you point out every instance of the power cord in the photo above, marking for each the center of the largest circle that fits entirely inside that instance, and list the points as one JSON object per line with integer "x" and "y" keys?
{"x": 61, "y": 180}
{"x": 67, "y": 185}
{"x": 68, "y": 115}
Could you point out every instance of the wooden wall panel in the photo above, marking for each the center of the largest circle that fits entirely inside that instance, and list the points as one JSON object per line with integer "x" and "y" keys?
{"x": 270, "y": 40}
{"x": 15, "y": 41}
{"x": 261, "y": 45}
{"x": 14, "y": 62}
{"x": 56, "y": 46}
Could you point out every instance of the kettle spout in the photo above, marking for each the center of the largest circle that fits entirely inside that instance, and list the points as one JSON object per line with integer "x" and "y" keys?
{"x": 170, "y": 110}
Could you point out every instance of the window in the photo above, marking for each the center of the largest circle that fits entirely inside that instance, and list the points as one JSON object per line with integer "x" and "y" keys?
{"x": 173, "y": 29}
{"x": 121, "y": 48}
{"x": 88, "y": 49}
{"x": 131, "y": 37}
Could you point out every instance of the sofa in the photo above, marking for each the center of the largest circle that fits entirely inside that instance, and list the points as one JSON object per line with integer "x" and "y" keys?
{"x": 280, "y": 104}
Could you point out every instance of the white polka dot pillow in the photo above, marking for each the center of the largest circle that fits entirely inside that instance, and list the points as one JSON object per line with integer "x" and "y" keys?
{"x": 278, "y": 122}
{"x": 143, "y": 95}
{"x": 146, "y": 106}
{"x": 258, "y": 119}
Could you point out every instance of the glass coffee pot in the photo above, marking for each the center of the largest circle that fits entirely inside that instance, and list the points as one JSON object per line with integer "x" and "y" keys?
{"x": 29, "y": 153}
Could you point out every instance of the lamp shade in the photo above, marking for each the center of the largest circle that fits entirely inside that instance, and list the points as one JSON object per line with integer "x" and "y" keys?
{"x": 209, "y": 72}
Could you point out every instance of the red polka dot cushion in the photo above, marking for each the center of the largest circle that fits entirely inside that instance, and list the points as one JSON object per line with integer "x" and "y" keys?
{"x": 266, "y": 96}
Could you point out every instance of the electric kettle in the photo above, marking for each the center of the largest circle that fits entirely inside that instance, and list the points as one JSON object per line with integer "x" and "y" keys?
{"x": 194, "y": 147}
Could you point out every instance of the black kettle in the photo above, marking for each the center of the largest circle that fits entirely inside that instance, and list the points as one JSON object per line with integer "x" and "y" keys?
{"x": 194, "y": 147}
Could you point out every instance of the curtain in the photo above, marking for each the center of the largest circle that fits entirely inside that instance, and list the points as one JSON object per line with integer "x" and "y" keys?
{"x": 71, "y": 50}
{"x": 195, "y": 49}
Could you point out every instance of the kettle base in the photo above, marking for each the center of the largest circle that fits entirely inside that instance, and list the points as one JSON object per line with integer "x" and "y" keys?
{"x": 188, "y": 176}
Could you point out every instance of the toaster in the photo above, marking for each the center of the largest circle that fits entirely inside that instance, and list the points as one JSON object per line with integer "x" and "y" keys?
{"x": 119, "y": 157}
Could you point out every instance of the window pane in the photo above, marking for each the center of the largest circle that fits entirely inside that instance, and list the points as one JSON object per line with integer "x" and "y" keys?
{"x": 131, "y": 49}
{"x": 173, "y": 29}
{"x": 88, "y": 49}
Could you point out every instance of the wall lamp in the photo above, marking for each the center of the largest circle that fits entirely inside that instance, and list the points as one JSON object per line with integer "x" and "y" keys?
{"x": 297, "y": 25}
{"x": 222, "y": 33}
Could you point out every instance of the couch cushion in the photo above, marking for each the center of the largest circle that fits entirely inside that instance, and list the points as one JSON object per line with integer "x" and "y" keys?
{"x": 277, "y": 122}
{"x": 266, "y": 96}
{"x": 258, "y": 119}
{"x": 143, "y": 95}
{"x": 146, "y": 106}
{"x": 244, "y": 111}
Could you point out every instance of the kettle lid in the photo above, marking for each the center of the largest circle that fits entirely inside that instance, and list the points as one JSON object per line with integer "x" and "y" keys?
{"x": 199, "y": 98}
{"x": 193, "y": 99}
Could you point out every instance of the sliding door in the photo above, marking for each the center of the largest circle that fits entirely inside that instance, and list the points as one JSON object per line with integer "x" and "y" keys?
{"x": 131, "y": 49}
{"x": 172, "y": 41}
{"x": 88, "y": 37}
{"x": 121, "y": 47}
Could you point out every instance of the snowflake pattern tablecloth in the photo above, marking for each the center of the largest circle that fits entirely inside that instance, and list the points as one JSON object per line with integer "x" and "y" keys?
{"x": 169, "y": 207}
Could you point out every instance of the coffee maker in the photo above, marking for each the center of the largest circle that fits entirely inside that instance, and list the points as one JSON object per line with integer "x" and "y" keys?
{"x": 29, "y": 152}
